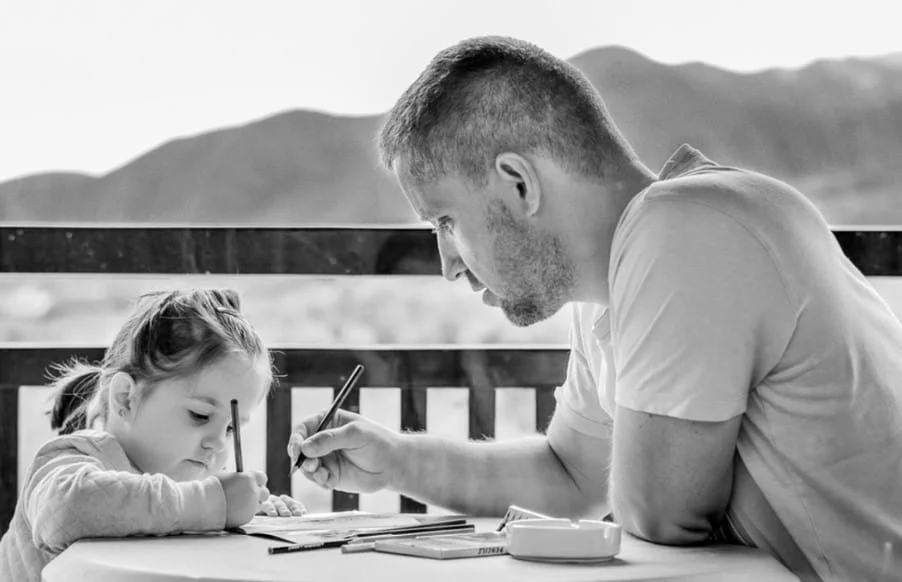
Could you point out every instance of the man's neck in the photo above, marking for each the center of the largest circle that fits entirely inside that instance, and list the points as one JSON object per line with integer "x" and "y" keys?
{"x": 595, "y": 223}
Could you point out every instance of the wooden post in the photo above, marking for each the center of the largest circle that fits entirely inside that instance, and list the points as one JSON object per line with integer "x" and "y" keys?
{"x": 545, "y": 404}
{"x": 9, "y": 453}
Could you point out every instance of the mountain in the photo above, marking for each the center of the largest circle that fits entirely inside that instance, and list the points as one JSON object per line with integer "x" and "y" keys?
{"x": 833, "y": 129}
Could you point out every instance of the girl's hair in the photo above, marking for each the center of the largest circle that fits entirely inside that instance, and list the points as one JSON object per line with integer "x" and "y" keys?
{"x": 170, "y": 334}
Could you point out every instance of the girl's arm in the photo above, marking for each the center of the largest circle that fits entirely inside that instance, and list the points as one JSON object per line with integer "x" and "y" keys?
{"x": 73, "y": 496}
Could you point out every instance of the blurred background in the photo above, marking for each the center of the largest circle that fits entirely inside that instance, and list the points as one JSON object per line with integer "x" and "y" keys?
{"x": 237, "y": 113}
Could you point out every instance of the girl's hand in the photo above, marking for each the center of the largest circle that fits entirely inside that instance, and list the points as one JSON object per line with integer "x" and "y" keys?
{"x": 281, "y": 506}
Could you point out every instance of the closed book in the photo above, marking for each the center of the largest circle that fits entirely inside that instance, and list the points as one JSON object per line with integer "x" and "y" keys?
{"x": 472, "y": 545}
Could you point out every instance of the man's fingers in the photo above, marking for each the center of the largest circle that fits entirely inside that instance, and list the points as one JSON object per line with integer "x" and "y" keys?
{"x": 259, "y": 477}
{"x": 348, "y": 436}
{"x": 294, "y": 445}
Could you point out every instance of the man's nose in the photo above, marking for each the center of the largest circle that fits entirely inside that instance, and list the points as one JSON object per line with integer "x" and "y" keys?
{"x": 452, "y": 266}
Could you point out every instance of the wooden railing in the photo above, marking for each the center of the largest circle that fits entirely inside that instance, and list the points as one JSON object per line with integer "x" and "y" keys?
{"x": 310, "y": 251}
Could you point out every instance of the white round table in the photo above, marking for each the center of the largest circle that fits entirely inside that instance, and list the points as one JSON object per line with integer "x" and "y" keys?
{"x": 233, "y": 558}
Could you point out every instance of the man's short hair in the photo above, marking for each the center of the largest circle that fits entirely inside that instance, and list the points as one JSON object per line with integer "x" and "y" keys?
{"x": 487, "y": 95}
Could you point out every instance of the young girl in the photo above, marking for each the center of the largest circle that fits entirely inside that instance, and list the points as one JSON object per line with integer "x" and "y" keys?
{"x": 145, "y": 437}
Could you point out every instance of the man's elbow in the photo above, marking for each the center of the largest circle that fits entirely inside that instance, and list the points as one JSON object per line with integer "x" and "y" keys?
{"x": 661, "y": 527}
{"x": 668, "y": 532}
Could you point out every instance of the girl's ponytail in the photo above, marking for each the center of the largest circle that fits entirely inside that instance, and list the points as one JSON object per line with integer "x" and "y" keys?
{"x": 75, "y": 386}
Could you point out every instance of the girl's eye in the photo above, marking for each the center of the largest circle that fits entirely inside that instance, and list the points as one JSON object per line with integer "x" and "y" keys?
{"x": 198, "y": 417}
{"x": 229, "y": 429}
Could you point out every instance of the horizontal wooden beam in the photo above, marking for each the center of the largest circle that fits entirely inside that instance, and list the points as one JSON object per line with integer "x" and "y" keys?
{"x": 218, "y": 250}
{"x": 292, "y": 251}
{"x": 477, "y": 368}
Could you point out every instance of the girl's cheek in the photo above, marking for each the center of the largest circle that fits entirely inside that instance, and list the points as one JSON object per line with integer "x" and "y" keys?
{"x": 222, "y": 463}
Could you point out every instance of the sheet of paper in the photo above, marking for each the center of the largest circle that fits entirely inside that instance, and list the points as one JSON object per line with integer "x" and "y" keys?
{"x": 341, "y": 520}
{"x": 328, "y": 526}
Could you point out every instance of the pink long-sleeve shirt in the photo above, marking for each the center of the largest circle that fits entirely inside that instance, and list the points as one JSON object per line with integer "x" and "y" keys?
{"x": 82, "y": 485}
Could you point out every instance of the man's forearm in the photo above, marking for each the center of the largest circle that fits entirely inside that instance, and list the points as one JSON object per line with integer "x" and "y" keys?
{"x": 484, "y": 478}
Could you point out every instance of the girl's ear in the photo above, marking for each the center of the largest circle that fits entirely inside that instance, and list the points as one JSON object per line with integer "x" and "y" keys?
{"x": 123, "y": 392}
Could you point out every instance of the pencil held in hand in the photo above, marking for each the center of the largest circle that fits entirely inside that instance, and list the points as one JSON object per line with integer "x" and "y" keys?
{"x": 330, "y": 413}
{"x": 236, "y": 436}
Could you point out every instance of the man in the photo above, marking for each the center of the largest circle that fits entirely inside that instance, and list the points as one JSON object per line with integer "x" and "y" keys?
{"x": 731, "y": 374}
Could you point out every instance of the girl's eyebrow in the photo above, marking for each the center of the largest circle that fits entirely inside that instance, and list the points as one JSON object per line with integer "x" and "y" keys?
{"x": 207, "y": 400}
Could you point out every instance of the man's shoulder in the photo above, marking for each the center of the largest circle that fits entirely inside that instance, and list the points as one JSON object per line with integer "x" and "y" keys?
{"x": 689, "y": 202}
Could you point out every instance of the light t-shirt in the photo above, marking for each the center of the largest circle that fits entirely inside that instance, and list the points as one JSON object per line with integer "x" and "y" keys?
{"x": 729, "y": 295}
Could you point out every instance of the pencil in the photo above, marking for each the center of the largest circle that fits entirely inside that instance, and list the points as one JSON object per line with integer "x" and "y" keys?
{"x": 333, "y": 408}
{"x": 360, "y": 541}
{"x": 236, "y": 436}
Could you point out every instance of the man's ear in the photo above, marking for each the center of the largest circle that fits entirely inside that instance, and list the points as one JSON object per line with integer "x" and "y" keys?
{"x": 123, "y": 392}
{"x": 520, "y": 174}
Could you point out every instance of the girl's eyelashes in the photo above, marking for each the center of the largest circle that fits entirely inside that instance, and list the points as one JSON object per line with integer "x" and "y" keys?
{"x": 201, "y": 419}
{"x": 198, "y": 417}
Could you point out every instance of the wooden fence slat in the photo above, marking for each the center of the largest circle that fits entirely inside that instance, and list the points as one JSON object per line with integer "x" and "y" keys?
{"x": 413, "y": 419}
{"x": 278, "y": 429}
{"x": 481, "y": 382}
{"x": 545, "y": 404}
{"x": 9, "y": 454}
{"x": 341, "y": 500}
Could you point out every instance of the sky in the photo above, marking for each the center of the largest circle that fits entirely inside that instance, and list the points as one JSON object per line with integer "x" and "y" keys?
{"x": 88, "y": 85}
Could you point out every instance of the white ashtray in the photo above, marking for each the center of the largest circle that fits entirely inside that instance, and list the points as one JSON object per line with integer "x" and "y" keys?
{"x": 561, "y": 540}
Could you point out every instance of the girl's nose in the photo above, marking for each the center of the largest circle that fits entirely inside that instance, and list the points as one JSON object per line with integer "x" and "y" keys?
{"x": 215, "y": 441}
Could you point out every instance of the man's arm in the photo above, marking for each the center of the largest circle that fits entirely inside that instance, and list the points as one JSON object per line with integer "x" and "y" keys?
{"x": 563, "y": 474}
{"x": 700, "y": 315}
{"x": 671, "y": 478}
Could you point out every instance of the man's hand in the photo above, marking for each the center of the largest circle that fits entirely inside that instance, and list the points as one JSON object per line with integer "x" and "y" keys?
{"x": 281, "y": 506}
{"x": 356, "y": 454}
{"x": 244, "y": 492}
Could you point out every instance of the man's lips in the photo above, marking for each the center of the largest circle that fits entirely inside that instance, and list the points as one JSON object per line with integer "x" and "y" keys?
{"x": 490, "y": 298}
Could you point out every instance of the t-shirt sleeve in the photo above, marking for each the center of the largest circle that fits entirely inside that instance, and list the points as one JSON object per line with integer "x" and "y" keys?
{"x": 577, "y": 402}
{"x": 699, "y": 311}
